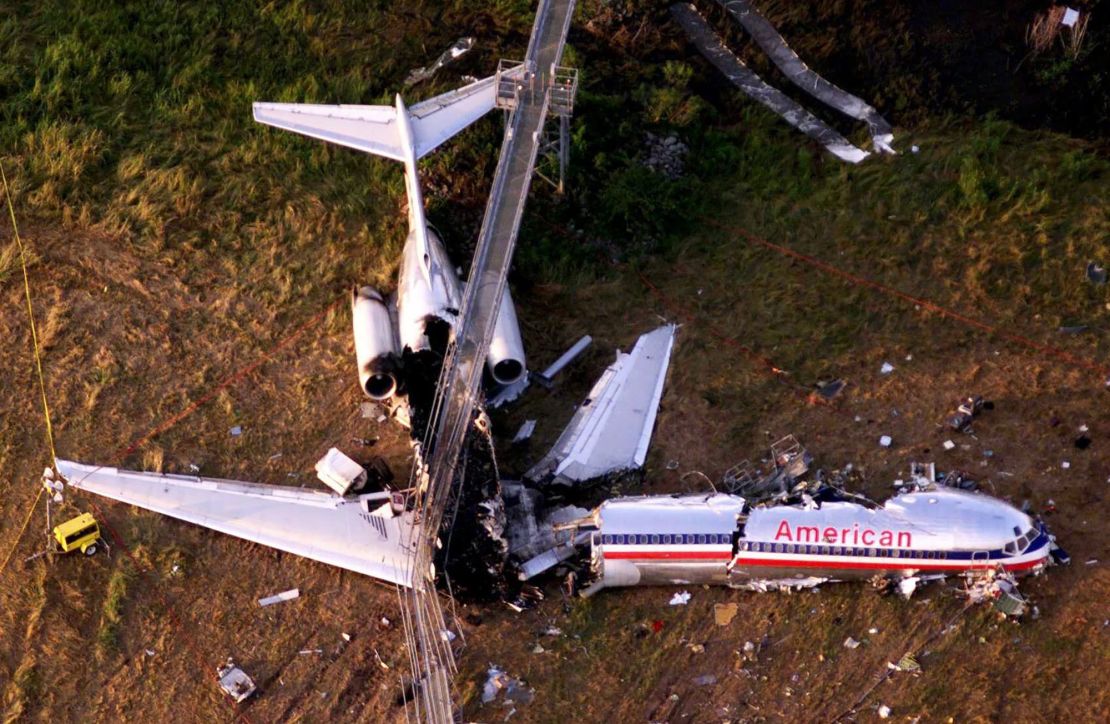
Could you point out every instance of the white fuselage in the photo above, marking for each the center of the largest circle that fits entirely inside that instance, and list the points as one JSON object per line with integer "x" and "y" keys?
{"x": 691, "y": 539}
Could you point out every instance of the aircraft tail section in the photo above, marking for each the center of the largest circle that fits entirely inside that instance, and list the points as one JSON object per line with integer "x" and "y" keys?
{"x": 397, "y": 132}
{"x": 378, "y": 129}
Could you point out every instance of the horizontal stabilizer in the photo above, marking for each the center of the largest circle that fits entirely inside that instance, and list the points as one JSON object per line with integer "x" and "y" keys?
{"x": 356, "y": 533}
{"x": 375, "y": 129}
{"x": 611, "y": 430}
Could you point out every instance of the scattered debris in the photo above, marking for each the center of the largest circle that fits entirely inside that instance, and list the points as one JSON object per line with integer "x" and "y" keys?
{"x": 340, "y": 473}
{"x": 907, "y": 664}
{"x": 697, "y": 648}
{"x": 1065, "y": 465}
{"x": 538, "y": 649}
{"x": 236, "y": 431}
{"x": 279, "y": 597}
{"x": 525, "y": 431}
{"x": 552, "y": 631}
{"x": 680, "y": 599}
{"x": 884, "y": 711}
{"x": 1091, "y": 562}
{"x": 234, "y": 681}
{"x": 886, "y": 369}
{"x": 194, "y": 468}
{"x": 723, "y": 613}
{"x": 949, "y": 445}
{"x": 998, "y": 587}
{"x": 886, "y": 441}
{"x": 907, "y": 586}
{"x": 516, "y": 691}
{"x": 851, "y": 643}
{"x": 1096, "y": 273}
{"x": 458, "y": 49}
{"x": 705, "y": 680}
{"x": 306, "y": 652}
{"x": 367, "y": 410}
{"x": 830, "y": 390}
{"x": 346, "y": 636}
{"x": 1071, "y": 17}
{"x": 149, "y": 652}
{"x": 968, "y": 410}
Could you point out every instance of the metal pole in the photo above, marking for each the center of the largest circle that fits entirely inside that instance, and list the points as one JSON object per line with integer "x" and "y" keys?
{"x": 564, "y": 150}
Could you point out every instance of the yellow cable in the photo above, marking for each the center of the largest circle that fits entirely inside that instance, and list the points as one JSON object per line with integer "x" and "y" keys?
{"x": 38, "y": 361}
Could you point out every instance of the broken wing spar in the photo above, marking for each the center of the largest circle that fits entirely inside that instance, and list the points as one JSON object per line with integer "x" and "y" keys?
{"x": 611, "y": 430}
{"x": 359, "y": 533}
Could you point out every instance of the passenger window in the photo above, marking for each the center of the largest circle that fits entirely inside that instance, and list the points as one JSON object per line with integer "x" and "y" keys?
{"x": 871, "y": 552}
{"x": 1011, "y": 548}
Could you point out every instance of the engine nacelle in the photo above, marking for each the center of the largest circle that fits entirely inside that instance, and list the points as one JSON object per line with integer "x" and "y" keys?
{"x": 375, "y": 344}
{"x": 506, "y": 350}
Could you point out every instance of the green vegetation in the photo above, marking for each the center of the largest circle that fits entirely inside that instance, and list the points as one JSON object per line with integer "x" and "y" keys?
{"x": 107, "y": 636}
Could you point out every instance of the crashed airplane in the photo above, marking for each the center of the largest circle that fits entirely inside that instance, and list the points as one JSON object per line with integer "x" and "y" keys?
{"x": 764, "y": 533}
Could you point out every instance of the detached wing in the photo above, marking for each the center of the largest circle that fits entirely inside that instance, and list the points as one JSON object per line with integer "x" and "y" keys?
{"x": 355, "y": 533}
{"x": 611, "y": 430}
{"x": 376, "y": 129}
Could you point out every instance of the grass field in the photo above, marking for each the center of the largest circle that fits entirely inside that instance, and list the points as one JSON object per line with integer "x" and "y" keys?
{"x": 173, "y": 242}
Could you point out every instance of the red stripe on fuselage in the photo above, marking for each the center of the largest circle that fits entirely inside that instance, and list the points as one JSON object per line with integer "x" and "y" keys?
{"x": 894, "y": 564}
{"x": 668, "y": 555}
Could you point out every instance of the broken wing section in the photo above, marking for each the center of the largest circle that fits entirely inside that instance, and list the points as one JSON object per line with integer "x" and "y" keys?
{"x": 357, "y": 533}
{"x": 611, "y": 430}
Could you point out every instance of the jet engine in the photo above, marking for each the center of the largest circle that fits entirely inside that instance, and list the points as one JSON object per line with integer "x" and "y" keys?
{"x": 506, "y": 350}
{"x": 375, "y": 344}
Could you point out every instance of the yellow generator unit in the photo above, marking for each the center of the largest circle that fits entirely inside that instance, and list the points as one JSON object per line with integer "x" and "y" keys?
{"x": 81, "y": 533}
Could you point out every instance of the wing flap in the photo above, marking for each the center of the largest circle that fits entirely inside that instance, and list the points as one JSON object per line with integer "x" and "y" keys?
{"x": 351, "y": 533}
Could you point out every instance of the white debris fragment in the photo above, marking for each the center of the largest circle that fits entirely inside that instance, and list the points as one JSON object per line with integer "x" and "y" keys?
{"x": 886, "y": 369}
{"x": 915, "y": 149}
{"x": 1071, "y": 17}
{"x": 851, "y": 643}
{"x": 1065, "y": 465}
{"x": 279, "y": 597}
{"x": 884, "y": 711}
{"x": 681, "y": 598}
{"x": 907, "y": 586}
{"x": 525, "y": 431}
{"x": 885, "y": 440}
{"x": 194, "y": 468}
{"x": 149, "y": 652}
{"x": 346, "y": 637}
{"x": 949, "y": 445}
{"x": 447, "y": 635}
{"x": 366, "y": 409}
{"x": 872, "y": 630}
{"x": 236, "y": 431}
